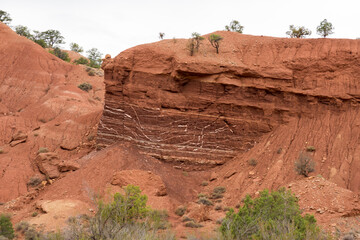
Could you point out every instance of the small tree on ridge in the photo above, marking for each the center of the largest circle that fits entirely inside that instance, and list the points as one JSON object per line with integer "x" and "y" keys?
{"x": 298, "y": 32}
{"x": 234, "y": 27}
{"x": 5, "y": 17}
{"x": 52, "y": 37}
{"x": 325, "y": 28}
{"x": 76, "y": 48}
{"x": 215, "y": 39}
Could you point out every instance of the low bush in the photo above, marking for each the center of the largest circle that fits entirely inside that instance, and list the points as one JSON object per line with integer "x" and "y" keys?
{"x": 85, "y": 86}
{"x": 204, "y": 183}
{"x": 310, "y": 149}
{"x": 82, "y": 61}
{"x": 193, "y": 224}
{"x": 43, "y": 150}
{"x": 218, "y": 192}
{"x": 274, "y": 215}
{"x": 304, "y": 165}
{"x": 126, "y": 217}
{"x": 22, "y": 226}
{"x": 252, "y": 162}
{"x": 60, "y": 54}
{"x": 180, "y": 211}
{"x": 205, "y": 201}
{"x": 6, "y": 227}
{"x": 34, "y": 181}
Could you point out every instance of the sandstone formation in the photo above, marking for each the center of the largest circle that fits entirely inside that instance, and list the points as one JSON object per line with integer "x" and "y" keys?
{"x": 206, "y": 109}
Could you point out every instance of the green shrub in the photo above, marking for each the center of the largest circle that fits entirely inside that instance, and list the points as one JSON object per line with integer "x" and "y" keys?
{"x": 204, "y": 183}
{"x": 124, "y": 213}
{"x": 22, "y": 226}
{"x": 85, "y": 86}
{"x": 274, "y": 214}
{"x": 186, "y": 219}
{"x": 60, "y": 54}
{"x": 34, "y": 181}
{"x": 82, "y": 61}
{"x": 219, "y": 189}
{"x": 304, "y": 165}
{"x": 205, "y": 201}
{"x": 180, "y": 211}
{"x": 325, "y": 28}
{"x": 214, "y": 40}
{"x": 298, "y": 32}
{"x": 234, "y": 27}
{"x": 91, "y": 72}
{"x": 193, "y": 224}
{"x": 252, "y": 162}
{"x": 76, "y": 48}
{"x": 6, "y": 227}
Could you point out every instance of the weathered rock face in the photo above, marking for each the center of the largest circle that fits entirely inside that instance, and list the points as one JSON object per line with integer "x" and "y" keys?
{"x": 208, "y": 108}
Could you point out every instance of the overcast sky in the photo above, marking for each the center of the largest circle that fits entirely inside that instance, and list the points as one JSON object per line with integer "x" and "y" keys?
{"x": 113, "y": 26}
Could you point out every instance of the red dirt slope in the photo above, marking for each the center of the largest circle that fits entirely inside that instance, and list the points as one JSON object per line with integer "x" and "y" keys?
{"x": 40, "y": 106}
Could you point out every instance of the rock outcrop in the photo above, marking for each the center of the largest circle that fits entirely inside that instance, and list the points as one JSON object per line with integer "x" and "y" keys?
{"x": 206, "y": 109}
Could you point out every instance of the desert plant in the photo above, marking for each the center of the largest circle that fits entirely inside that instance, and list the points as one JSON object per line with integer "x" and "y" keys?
{"x": 180, "y": 211}
{"x": 325, "y": 28}
{"x": 265, "y": 216}
{"x": 6, "y": 227}
{"x": 234, "y": 27}
{"x": 82, "y": 61}
{"x": 204, "y": 183}
{"x": 310, "y": 149}
{"x": 23, "y": 31}
{"x": 85, "y": 86}
{"x": 214, "y": 40}
{"x": 95, "y": 57}
{"x": 194, "y": 43}
{"x": 43, "y": 150}
{"x": 193, "y": 224}
{"x": 22, "y": 226}
{"x": 60, "y": 54}
{"x": 205, "y": 201}
{"x": 5, "y": 17}
{"x": 298, "y": 32}
{"x": 186, "y": 219}
{"x": 1, "y": 151}
{"x": 91, "y": 72}
{"x": 34, "y": 181}
{"x": 52, "y": 37}
{"x": 219, "y": 189}
{"x": 76, "y": 47}
{"x": 252, "y": 162}
{"x": 161, "y": 35}
{"x": 304, "y": 165}
{"x": 34, "y": 214}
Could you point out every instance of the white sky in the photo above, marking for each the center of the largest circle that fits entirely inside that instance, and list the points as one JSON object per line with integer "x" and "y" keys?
{"x": 113, "y": 26}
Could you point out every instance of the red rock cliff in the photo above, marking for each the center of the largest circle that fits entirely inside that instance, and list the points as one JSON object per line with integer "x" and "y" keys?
{"x": 206, "y": 109}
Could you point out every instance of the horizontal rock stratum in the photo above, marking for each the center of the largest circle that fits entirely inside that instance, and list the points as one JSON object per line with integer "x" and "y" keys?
{"x": 207, "y": 108}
